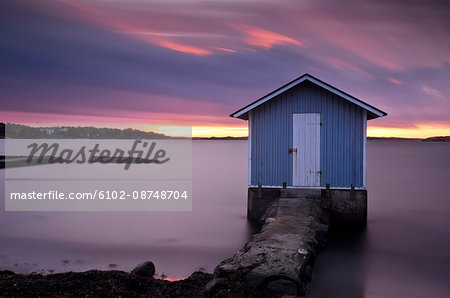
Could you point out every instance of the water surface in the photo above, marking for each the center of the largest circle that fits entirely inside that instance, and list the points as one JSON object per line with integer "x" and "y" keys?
{"x": 177, "y": 242}
{"x": 404, "y": 252}
{"x": 405, "y": 249}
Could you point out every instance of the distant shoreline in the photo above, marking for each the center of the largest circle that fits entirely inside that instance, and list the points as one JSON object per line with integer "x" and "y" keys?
{"x": 437, "y": 139}
{"x": 219, "y": 138}
{"x": 22, "y": 131}
{"x": 430, "y": 139}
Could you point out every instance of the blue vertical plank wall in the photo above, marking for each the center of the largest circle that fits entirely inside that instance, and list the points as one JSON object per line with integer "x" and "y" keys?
{"x": 341, "y": 137}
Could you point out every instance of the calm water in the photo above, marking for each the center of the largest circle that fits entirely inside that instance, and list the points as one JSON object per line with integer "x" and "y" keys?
{"x": 177, "y": 242}
{"x": 404, "y": 252}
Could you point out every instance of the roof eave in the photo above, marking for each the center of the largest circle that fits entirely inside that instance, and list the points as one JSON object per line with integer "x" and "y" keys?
{"x": 243, "y": 116}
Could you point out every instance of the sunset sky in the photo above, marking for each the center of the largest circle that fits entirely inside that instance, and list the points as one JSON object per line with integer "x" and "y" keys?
{"x": 196, "y": 62}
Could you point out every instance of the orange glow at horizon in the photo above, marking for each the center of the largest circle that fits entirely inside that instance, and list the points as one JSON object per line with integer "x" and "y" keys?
{"x": 203, "y": 126}
{"x": 219, "y": 131}
{"x": 420, "y": 131}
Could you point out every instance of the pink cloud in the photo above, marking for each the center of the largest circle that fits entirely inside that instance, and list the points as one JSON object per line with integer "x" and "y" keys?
{"x": 264, "y": 38}
{"x": 433, "y": 92}
{"x": 183, "y": 48}
{"x": 394, "y": 45}
{"x": 395, "y": 81}
{"x": 226, "y": 50}
{"x": 342, "y": 65}
{"x": 131, "y": 27}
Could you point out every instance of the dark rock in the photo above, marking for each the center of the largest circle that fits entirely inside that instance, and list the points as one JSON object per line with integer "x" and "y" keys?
{"x": 224, "y": 287}
{"x": 6, "y": 272}
{"x": 200, "y": 277}
{"x": 211, "y": 284}
{"x": 96, "y": 283}
{"x": 278, "y": 287}
{"x": 146, "y": 269}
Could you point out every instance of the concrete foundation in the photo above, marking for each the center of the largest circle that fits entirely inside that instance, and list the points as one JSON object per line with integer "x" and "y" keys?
{"x": 345, "y": 206}
{"x": 258, "y": 201}
{"x": 348, "y": 207}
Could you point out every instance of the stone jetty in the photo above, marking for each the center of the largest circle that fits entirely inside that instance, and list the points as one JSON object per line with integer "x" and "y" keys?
{"x": 278, "y": 260}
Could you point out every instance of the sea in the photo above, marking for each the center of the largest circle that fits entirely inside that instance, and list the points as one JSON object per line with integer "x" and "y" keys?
{"x": 403, "y": 252}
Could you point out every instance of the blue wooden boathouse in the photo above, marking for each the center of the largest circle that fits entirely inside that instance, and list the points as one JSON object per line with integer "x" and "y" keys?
{"x": 307, "y": 134}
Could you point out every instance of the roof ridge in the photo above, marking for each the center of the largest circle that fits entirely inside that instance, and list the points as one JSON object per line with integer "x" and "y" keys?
{"x": 306, "y": 76}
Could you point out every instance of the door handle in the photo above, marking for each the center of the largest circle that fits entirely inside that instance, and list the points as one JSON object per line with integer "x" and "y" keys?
{"x": 292, "y": 150}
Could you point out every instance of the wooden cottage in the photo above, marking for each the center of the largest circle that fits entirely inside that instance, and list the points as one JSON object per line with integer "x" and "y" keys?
{"x": 307, "y": 134}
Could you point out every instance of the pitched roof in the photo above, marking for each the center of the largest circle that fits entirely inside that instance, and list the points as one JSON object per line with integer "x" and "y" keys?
{"x": 372, "y": 112}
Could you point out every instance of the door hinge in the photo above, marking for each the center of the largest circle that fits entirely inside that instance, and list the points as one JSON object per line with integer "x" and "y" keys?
{"x": 292, "y": 150}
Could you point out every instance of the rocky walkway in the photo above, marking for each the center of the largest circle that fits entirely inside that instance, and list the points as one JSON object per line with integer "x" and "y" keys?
{"x": 278, "y": 260}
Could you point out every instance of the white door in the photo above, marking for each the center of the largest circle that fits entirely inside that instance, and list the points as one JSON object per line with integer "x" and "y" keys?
{"x": 306, "y": 150}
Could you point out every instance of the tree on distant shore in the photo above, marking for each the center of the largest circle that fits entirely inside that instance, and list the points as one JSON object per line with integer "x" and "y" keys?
{"x": 18, "y": 131}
